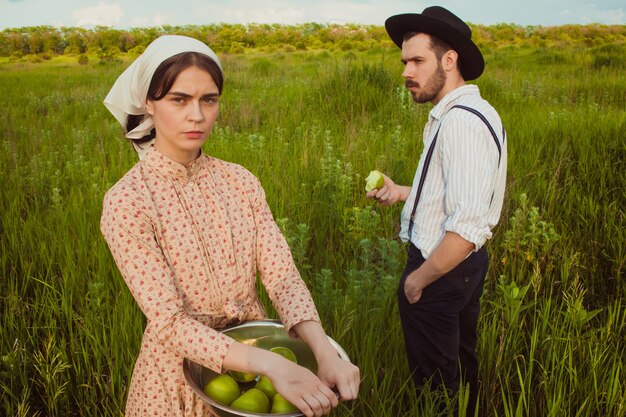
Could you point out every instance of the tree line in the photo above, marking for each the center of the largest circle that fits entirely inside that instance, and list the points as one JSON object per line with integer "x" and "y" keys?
{"x": 238, "y": 38}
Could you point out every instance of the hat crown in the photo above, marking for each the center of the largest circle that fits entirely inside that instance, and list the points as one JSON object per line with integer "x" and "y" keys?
{"x": 446, "y": 16}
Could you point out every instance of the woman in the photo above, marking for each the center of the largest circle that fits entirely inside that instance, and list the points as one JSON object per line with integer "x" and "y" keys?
{"x": 189, "y": 233}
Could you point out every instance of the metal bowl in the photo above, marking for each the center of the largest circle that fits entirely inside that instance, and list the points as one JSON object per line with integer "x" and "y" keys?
{"x": 262, "y": 334}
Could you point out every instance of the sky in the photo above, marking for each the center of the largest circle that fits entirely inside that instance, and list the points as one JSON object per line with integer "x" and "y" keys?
{"x": 124, "y": 14}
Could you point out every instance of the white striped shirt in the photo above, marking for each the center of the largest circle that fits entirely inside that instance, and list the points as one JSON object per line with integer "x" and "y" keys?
{"x": 464, "y": 187}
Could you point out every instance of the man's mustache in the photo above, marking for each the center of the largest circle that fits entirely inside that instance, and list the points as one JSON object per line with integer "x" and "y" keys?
{"x": 409, "y": 84}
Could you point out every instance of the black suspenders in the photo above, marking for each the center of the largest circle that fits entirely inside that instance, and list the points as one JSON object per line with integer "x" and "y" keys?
{"x": 431, "y": 149}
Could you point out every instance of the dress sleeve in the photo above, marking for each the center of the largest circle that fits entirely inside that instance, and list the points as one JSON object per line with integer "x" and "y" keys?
{"x": 286, "y": 289}
{"x": 469, "y": 164}
{"x": 128, "y": 231}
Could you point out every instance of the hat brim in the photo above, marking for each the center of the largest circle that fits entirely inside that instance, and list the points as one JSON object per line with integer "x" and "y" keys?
{"x": 472, "y": 62}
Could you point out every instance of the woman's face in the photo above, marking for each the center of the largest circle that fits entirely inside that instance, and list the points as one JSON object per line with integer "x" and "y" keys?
{"x": 185, "y": 116}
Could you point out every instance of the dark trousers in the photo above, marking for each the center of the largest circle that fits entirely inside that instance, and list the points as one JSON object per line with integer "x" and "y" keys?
{"x": 440, "y": 329}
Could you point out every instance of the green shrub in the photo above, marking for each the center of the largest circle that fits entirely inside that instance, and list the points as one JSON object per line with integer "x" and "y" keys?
{"x": 609, "y": 56}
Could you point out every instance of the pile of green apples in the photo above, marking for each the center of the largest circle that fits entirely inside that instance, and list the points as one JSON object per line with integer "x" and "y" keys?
{"x": 229, "y": 389}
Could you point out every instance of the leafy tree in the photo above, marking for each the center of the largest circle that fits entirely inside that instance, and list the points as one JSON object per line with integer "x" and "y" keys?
{"x": 76, "y": 40}
{"x": 237, "y": 38}
{"x": 16, "y": 42}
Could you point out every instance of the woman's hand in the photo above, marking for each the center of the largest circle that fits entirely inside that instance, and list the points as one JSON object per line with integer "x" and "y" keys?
{"x": 390, "y": 193}
{"x": 340, "y": 374}
{"x": 297, "y": 384}
{"x": 332, "y": 370}
{"x": 301, "y": 387}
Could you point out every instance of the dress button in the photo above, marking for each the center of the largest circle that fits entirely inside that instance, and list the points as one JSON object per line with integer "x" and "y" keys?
{"x": 466, "y": 279}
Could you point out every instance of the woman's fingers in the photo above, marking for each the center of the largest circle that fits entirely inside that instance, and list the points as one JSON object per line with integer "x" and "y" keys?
{"x": 320, "y": 402}
{"x": 305, "y": 390}
{"x": 348, "y": 387}
{"x": 316, "y": 404}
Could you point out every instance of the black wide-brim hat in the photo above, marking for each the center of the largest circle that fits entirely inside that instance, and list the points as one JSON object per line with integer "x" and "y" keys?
{"x": 444, "y": 24}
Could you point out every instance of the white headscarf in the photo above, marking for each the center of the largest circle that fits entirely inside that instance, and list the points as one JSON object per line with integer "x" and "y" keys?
{"x": 128, "y": 94}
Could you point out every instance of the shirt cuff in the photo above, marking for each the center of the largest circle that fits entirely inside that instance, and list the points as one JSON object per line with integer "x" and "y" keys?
{"x": 472, "y": 233}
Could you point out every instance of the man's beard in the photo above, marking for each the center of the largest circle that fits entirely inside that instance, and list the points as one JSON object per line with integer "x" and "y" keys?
{"x": 433, "y": 86}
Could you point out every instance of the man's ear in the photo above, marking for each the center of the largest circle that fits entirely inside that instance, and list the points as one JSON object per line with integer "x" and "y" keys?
{"x": 449, "y": 60}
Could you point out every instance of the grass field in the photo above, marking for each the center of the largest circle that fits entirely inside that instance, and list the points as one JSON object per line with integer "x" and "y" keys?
{"x": 311, "y": 125}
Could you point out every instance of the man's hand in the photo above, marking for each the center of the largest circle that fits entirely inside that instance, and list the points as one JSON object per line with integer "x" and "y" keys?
{"x": 390, "y": 193}
{"x": 412, "y": 288}
{"x": 450, "y": 252}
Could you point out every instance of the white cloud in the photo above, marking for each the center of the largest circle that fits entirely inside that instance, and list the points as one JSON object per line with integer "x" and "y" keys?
{"x": 350, "y": 12}
{"x": 275, "y": 15}
{"x": 591, "y": 13}
{"x": 146, "y": 21}
{"x": 244, "y": 11}
{"x": 611, "y": 17}
{"x": 57, "y": 23}
{"x": 103, "y": 14}
{"x": 290, "y": 12}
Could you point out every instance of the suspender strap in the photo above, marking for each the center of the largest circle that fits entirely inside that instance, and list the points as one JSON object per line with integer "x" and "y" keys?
{"x": 493, "y": 133}
{"x": 431, "y": 149}
{"x": 429, "y": 156}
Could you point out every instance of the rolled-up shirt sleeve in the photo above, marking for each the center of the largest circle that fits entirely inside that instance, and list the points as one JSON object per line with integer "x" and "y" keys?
{"x": 286, "y": 289}
{"x": 469, "y": 166}
{"x": 129, "y": 234}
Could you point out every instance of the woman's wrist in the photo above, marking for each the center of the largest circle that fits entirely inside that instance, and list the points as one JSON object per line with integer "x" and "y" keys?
{"x": 315, "y": 337}
{"x": 244, "y": 358}
{"x": 323, "y": 351}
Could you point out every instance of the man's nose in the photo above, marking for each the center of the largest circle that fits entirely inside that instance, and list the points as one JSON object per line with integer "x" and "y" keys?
{"x": 408, "y": 71}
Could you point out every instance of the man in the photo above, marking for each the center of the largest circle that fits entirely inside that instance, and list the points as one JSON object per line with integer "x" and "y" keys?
{"x": 454, "y": 202}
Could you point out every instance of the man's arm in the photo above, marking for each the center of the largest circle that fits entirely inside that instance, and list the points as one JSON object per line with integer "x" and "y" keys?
{"x": 450, "y": 252}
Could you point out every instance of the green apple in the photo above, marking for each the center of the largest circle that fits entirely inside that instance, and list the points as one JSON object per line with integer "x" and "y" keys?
{"x": 253, "y": 400}
{"x": 374, "y": 181}
{"x": 285, "y": 352}
{"x": 223, "y": 389}
{"x": 281, "y": 405}
{"x": 265, "y": 385}
{"x": 242, "y": 376}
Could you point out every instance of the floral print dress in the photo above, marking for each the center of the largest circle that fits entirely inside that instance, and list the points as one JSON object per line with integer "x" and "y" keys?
{"x": 189, "y": 243}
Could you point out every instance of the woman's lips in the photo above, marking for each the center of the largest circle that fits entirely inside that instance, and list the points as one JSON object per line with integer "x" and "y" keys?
{"x": 193, "y": 134}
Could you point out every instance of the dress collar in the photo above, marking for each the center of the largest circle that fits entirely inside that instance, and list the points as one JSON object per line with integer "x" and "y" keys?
{"x": 170, "y": 168}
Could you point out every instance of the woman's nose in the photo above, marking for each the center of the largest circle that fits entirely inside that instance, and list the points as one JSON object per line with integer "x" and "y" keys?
{"x": 195, "y": 112}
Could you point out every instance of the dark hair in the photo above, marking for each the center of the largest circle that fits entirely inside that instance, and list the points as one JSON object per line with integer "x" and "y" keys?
{"x": 437, "y": 45}
{"x": 165, "y": 76}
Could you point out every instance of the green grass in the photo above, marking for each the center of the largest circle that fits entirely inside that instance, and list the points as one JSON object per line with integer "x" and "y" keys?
{"x": 311, "y": 125}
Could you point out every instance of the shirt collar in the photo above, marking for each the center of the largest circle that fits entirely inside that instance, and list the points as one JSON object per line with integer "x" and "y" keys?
{"x": 170, "y": 168}
{"x": 449, "y": 99}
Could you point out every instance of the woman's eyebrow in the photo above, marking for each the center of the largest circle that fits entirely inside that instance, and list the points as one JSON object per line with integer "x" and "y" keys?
{"x": 186, "y": 95}
{"x": 179, "y": 94}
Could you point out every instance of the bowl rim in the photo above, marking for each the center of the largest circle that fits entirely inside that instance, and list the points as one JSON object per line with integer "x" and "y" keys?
{"x": 188, "y": 364}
